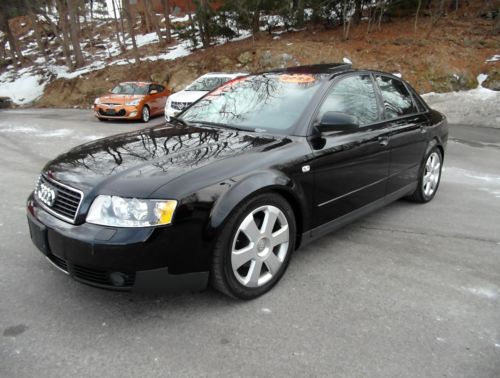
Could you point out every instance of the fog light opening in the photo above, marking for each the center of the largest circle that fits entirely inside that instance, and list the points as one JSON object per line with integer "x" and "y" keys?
{"x": 118, "y": 278}
{"x": 133, "y": 114}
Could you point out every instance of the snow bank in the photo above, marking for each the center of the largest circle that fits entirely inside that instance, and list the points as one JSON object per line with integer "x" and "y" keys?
{"x": 23, "y": 89}
{"x": 478, "y": 107}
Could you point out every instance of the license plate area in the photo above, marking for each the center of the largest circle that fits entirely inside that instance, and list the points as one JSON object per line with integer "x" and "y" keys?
{"x": 38, "y": 234}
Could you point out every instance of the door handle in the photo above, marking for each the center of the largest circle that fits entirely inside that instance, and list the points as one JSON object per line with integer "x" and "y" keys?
{"x": 423, "y": 130}
{"x": 383, "y": 140}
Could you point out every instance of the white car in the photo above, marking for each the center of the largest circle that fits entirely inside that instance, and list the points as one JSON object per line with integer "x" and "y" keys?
{"x": 179, "y": 101}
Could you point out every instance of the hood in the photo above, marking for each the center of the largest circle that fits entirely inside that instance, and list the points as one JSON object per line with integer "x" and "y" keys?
{"x": 118, "y": 99}
{"x": 139, "y": 162}
{"x": 187, "y": 96}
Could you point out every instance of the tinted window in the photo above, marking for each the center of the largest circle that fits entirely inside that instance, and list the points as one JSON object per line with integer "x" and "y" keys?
{"x": 354, "y": 95}
{"x": 397, "y": 100}
{"x": 131, "y": 89}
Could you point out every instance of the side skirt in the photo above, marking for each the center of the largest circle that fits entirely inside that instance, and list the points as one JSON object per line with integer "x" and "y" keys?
{"x": 315, "y": 233}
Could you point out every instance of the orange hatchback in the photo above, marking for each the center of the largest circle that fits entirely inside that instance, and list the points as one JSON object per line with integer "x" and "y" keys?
{"x": 132, "y": 100}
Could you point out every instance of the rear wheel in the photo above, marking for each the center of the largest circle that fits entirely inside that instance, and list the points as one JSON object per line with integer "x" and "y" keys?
{"x": 145, "y": 115}
{"x": 430, "y": 177}
{"x": 254, "y": 247}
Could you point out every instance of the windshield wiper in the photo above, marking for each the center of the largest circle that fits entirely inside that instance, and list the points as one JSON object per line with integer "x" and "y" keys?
{"x": 223, "y": 126}
{"x": 179, "y": 120}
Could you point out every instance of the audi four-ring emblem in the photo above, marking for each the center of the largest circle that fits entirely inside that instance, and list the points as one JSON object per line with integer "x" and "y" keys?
{"x": 46, "y": 194}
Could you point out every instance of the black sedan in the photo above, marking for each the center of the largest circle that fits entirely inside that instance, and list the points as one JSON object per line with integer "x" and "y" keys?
{"x": 228, "y": 190}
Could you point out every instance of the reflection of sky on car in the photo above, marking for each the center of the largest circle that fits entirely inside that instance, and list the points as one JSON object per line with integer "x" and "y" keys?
{"x": 156, "y": 150}
{"x": 265, "y": 102}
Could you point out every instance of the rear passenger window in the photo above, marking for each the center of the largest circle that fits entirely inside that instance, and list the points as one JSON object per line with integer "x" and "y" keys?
{"x": 397, "y": 100}
{"x": 354, "y": 95}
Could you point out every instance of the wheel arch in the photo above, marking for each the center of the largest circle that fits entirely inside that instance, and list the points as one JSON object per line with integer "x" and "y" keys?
{"x": 253, "y": 185}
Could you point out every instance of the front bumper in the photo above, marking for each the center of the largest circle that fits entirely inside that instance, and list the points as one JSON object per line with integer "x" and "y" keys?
{"x": 113, "y": 258}
{"x": 117, "y": 112}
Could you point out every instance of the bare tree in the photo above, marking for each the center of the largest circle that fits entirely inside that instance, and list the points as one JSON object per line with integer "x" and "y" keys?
{"x": 117, "y": 29}
{"x": 130, "y": 24}
{"x": 15, "y": 51}
{"x": 36, "y": 29}
{"x": 166, "y": 14}
{"x": 152, "y": 16}
{"x": 75, "y": 33}
{"x": 63, "y": 20}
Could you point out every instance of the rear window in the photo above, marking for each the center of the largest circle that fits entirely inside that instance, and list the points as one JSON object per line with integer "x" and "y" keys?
{"x": 398, "y": 101}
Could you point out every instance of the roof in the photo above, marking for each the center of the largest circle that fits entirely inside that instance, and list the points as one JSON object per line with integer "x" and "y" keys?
{"x": 329, "y": 68}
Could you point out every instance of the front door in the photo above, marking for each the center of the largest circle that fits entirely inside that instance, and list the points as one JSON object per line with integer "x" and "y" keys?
{"x": 350, "y": 168}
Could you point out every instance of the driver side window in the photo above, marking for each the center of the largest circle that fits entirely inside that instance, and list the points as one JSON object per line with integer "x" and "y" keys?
{"x": 354, "y": 95}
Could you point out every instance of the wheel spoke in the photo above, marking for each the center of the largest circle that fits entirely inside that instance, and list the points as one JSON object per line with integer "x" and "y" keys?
{"x": 269, "y": 220}
{"x": 242, "y": 256}
{"x": 254, "y": 273}
{"x": 249, "y": 227}
{"x": 273, "y": 263}
{"x": 279, "y": 237}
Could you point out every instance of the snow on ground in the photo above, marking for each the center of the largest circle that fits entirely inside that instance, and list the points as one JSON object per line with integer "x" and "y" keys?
{"x": 26, "y": 88}
{"x": 494, "y": 58}
{"x": 478, "y": 106}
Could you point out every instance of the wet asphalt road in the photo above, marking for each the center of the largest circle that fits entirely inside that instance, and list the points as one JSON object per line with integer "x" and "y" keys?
{"x": 410, "y": 291}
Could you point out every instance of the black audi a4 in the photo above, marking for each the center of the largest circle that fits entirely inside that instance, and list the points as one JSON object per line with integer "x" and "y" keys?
{"x": 228, "y": 190}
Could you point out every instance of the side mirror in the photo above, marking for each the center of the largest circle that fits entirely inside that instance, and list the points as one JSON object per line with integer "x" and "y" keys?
{"x": 154, "y": 91}
{"x": 337, "y": 121}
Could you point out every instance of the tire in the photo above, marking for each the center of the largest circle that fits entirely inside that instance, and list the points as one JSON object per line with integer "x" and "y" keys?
{"x": 145, "y": 114}
{"x": 248, "y": 261}
{"x": 430, "y": 177}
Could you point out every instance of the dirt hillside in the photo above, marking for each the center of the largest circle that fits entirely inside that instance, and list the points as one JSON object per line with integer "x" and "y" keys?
{"x": 445, "y": 58}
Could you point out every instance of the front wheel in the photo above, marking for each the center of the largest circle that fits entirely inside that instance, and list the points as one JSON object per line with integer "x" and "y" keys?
{"x": 145, "y": 114}
{"x": 254, "y": 247}
{"x": 430, "y": 177}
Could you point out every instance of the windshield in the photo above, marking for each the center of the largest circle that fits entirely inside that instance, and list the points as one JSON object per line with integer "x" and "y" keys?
{"x": 207, "y": 83}
{"x": 131, "y": 89}
{"x": 270, "y": 102}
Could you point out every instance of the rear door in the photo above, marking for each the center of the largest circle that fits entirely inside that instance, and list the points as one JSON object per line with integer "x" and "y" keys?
{"x": 350, "y": 168}
{"x": 407, "y": 124}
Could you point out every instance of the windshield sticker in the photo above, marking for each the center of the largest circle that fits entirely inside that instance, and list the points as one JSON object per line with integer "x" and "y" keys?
{"x": 297, "y": 79}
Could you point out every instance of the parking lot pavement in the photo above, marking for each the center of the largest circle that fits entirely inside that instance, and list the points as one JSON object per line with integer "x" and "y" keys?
{"x": 410, "y": 291}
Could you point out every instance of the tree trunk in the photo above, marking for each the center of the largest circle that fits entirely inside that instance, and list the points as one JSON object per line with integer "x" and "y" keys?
{"x": 202, "y": 15}
{"x": 117, "y": 29}
{"x": 36, "y": 29}
{"x": 14, "y": 49}
{"x": 300, "y": 12}
{"x": 416, "y": 14}
{"x": 63, "y": 17}
{"x": 166, "y": 14}
{"x": 130, "y": 24}
{"x": 74, "y": 33}
{"x": 358, "y": 11}
{"x": 154, "y": 21}
{"x": 192, "y": 35}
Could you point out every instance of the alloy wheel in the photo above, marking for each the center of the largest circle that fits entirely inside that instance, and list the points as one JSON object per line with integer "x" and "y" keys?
{"x": 431, "y": 174}
{"x": 145, "y": 114}
{"x": 260, "y": 246}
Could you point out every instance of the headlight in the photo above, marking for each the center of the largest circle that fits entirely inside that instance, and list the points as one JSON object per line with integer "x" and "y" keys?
{"x": 133, "y": 102}
{"x": 97, "y": 101}
{"x": 130, "y": 212}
